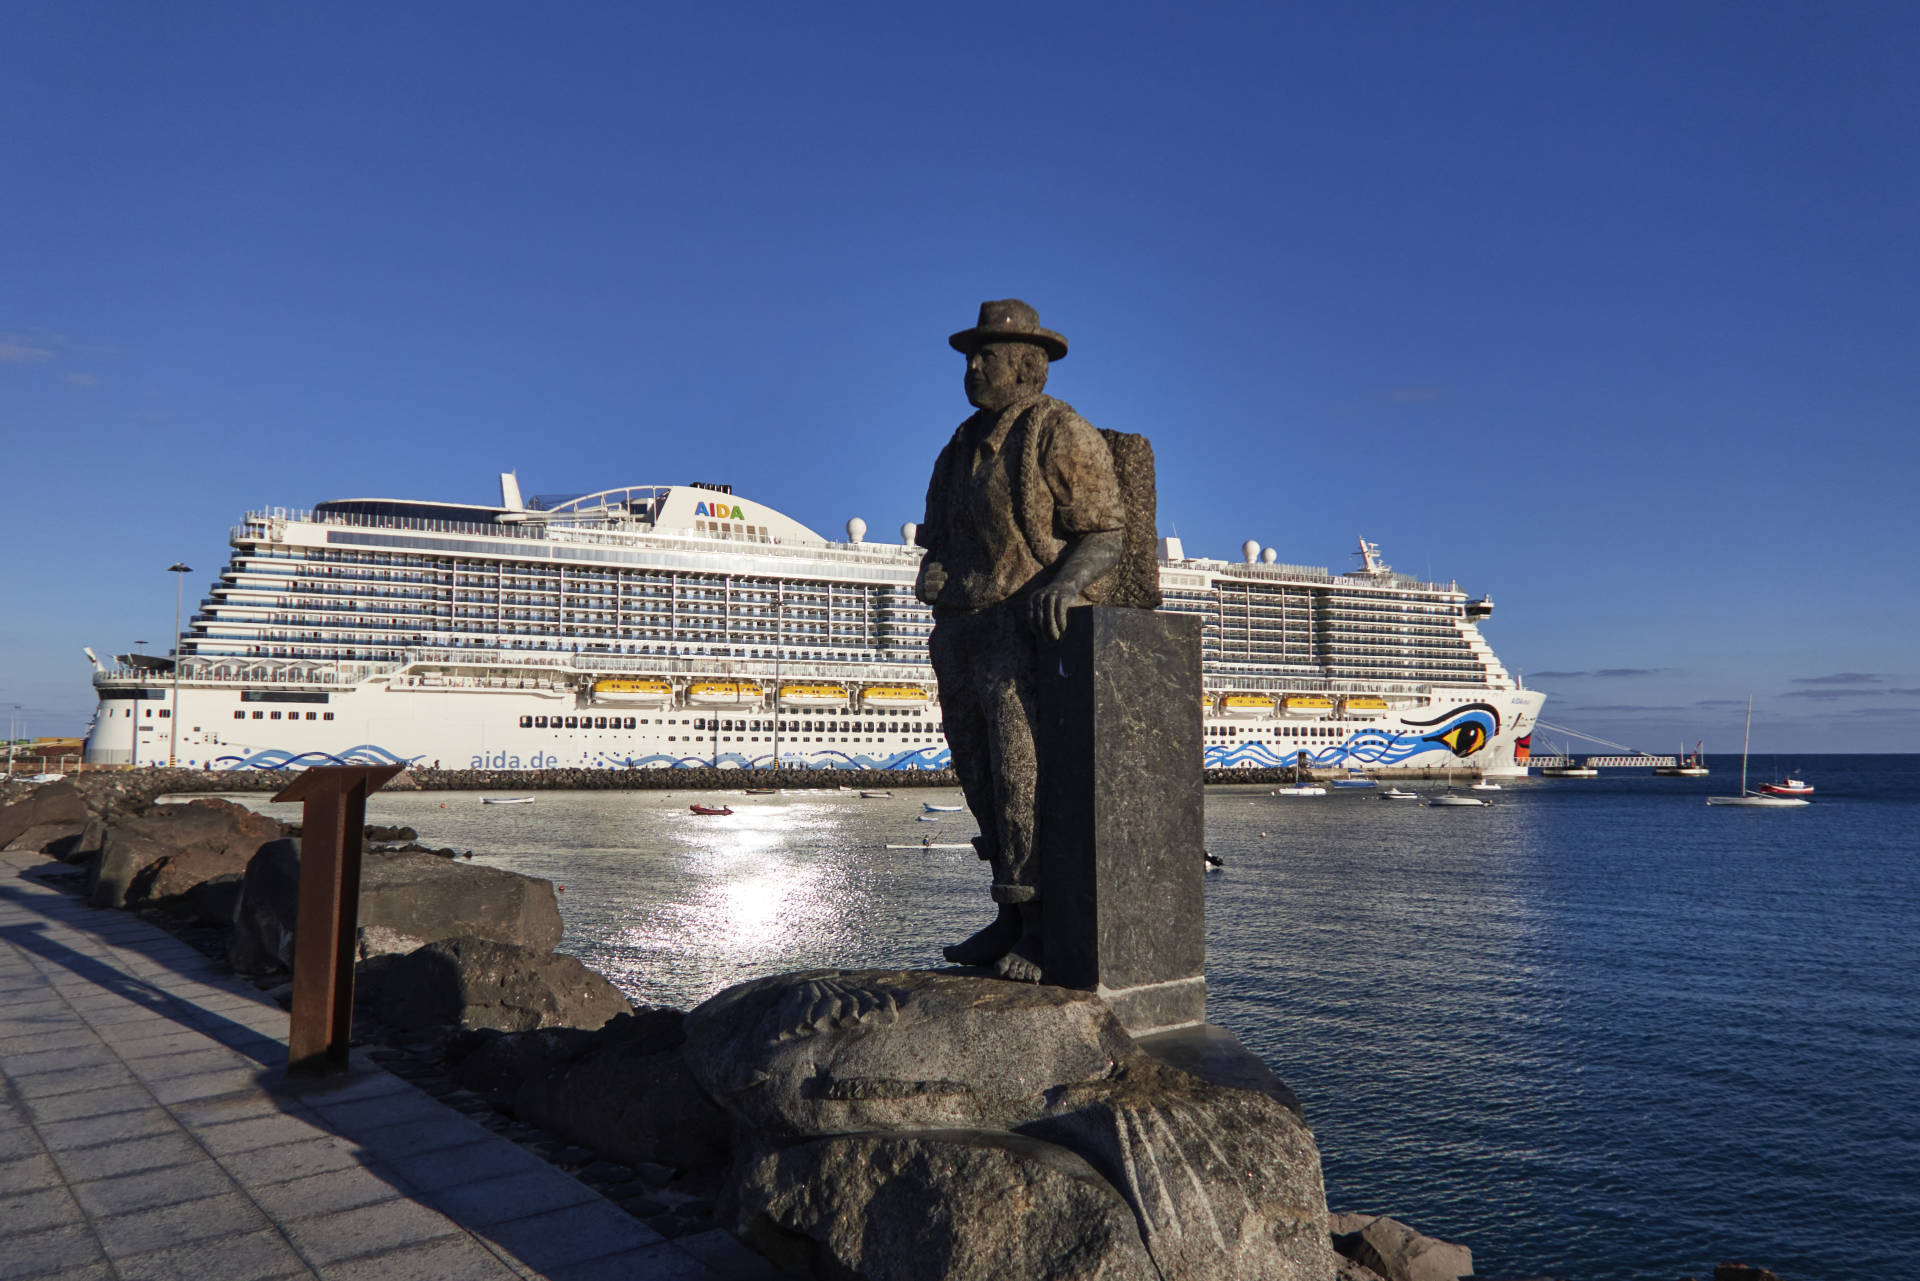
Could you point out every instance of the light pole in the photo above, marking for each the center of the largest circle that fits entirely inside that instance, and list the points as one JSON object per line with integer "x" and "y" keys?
{"x": 179, "y": 570}
{"x": 13, "y": 712}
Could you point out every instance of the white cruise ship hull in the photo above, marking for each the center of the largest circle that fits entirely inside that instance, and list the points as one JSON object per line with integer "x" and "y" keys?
{"x": 381, "y": 631}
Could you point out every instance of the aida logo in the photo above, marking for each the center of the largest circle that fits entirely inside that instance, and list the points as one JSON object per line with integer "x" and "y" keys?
{"x": 721, "y": 510}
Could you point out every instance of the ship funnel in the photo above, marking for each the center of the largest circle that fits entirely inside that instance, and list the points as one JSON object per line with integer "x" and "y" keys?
{"x": 510, "y": 492}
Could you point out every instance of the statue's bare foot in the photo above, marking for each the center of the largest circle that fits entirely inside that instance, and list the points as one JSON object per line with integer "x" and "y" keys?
{"x": 1022, "y": 964}
{"x": 988, "y": 945}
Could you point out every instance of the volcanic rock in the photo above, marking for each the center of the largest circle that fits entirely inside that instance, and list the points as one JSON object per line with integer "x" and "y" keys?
{"x": 826, "y": 1051}
{"x": 1398, "y": 1253}
{"x": 478, "y": 982}
{"x": 964, "y": 1205}
{"x": 204, "y": 839}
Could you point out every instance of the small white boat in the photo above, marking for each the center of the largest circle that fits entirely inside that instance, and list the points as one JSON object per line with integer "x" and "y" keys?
{"x": 1755, "y": 800}
{"x": 940, "y": 809}
{"x": 876, "y": 796}
{"x": 1484, "y": 786}
{"x": 1214, "y": 861}
{"x": 506, "y": 800}
{"x": 928, "y": 818}
{"x": 1397, "y": 794}
{"x": 1302, "y": 789}
{"x": 929, "y": 845}
{"x": 1454, "y": 798}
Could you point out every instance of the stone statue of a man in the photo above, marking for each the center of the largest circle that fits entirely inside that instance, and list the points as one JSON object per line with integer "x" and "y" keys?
{"x": 1024, "y": 517}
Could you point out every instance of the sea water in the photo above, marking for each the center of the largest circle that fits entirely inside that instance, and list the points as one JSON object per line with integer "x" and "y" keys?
{"x": 1596, "y": 1029}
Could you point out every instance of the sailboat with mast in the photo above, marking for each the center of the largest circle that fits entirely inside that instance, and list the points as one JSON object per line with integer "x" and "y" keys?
{"x": 1751, "y": 798}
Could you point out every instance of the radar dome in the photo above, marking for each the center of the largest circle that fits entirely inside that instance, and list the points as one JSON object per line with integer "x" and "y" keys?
{"x": 856, "y": 530}
{"x": 1269, "y": 556}
{"x": 908, "y": 532}
{"x": 1250, "y": 551}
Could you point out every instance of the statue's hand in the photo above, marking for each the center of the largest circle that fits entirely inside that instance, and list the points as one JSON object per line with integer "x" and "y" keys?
{"x": 932, "y": 581}
{"x": 1048, "y": 608}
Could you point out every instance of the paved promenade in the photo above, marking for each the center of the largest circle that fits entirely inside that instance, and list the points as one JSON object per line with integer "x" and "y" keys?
{"x": 147, "y": 1130}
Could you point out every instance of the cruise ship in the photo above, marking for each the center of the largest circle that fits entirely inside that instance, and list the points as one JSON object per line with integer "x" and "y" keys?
{"x": 675, "y": 626}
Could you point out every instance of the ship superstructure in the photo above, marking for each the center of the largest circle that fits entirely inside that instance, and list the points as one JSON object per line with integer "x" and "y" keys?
{"x": 685, "y": 625}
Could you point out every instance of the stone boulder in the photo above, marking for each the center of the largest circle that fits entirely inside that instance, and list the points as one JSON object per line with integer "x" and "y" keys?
{"x": 477, "y": 982}
{"x": 407, "y": 900}
{"x": 630, "y": 1096}
{"x": 1225, "y": 1182}
{"x": 827, "y": 1051}
{"x": 202, "y": 839}
{"x": 936, "y": 1206}
{"x": 47, "y": 805}
{"x": 1398, "y": 1253}
{"x": 1220, "y": 1181}
{"x": 495, "y": 1064}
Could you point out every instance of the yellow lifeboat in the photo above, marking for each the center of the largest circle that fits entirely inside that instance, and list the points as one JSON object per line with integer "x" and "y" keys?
{"x": 813, "y": 696}
{"x": 1249, "y": 704}
{"x": 895, "y": 696}
{"x": 1306, "y": 705}
{"x": 1364, "y": 705}
{"x": 723, "y": 693}
{"x": 649, "y": 691}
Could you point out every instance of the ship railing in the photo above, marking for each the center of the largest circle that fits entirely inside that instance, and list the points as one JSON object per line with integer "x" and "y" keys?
{"x": 357, "y": 520}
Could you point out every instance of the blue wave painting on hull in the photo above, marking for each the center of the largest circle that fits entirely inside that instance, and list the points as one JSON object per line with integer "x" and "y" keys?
{"x": 280, "y": 758}
{"x": 917, "y": 759}
{"x": 1459, "y": 733}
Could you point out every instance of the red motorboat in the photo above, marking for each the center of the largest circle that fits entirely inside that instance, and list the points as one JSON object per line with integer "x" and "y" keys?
{"x": 1787, "y": 787}
{"x": 710, "y": 809}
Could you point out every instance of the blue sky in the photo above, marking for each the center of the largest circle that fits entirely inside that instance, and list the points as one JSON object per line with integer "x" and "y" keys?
{"x": 1609, "y": 311}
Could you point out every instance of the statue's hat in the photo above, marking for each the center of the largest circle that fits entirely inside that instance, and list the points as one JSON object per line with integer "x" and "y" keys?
{"x": 1009, "y": 320}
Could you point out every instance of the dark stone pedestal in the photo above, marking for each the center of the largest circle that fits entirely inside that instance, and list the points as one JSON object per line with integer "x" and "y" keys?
{"x": 1121, "y": 828}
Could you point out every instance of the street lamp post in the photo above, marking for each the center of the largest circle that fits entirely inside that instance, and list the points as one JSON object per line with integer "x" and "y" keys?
{"x": 13, "y": 712}
{"x": 179, "y": 570}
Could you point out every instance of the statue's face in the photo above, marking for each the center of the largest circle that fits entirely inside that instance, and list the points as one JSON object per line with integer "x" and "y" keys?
{"x": 1001, "y": 372}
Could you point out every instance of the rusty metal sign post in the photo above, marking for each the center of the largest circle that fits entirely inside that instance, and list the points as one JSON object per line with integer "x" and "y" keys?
{"x": 333, "y": 816}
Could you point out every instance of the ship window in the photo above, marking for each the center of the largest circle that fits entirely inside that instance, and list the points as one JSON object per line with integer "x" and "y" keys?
{"x": 526, "y": 722}
{"x": 326, "y": 716}
{"x": 313, "y": 716}
{"x": 599, "y": 722}
{"x": 539, "y": 722}
{"x": 573, "y": 722}
{"x": 239, "y": 716}
{"x": 259, "y": 716}
{"x": 629, "y": 722}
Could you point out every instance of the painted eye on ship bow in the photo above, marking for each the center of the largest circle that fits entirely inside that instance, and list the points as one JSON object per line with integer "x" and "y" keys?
{"x": 1465, "y": 738}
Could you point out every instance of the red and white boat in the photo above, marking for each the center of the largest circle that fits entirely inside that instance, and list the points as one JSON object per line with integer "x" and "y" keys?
{"x": 718, "y": 810}
{"x": 1787, "y": 786}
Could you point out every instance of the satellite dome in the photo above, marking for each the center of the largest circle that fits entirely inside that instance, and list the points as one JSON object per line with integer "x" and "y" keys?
{"x": 908, "y": 532}
{"x": 856, "y": 530}
{"x": 1250, "y": 551}
{"x": 1269, "y": 556}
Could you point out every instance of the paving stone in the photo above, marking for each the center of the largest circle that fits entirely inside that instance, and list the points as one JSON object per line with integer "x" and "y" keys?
{"x": 98, "y": 1076}
{"x": 206, "y": 1084}
{"x": 257, "y": 1132}
{"x": 241, "y": 1105}
{"x": 725, "y": 1254}
{"x": 479, "y": 1204}
{"x": 170, "y": 1067}
{"x": 126, "y": 1193}
{"x": 253, "y": 1257}
{"x": 14, "y": 1045}
{"x": 47, "y": 1207}
{"x": 375, "y": 1114}
{"x": 169, "y": 1039}
{"x": 27, "y": 1173}
{"x": 35, "y": 1254}
{"x": 156, "y": 1152}
{"x": 573, "y": 1235}
{"x": 483, "y": 1159}
{"x": 65, "y": 1107}
{"x": 19, "y": 1141}
{"x": 325, "y": 1193}
{"x": 56, "y": 1060}
{"x": 455, "y": 1258}
{"x": 662, "y": 1262}
{"x": 177, "y": 1224}
{"x": 430, "y": 1134}
{"x": 263, "y": 1166}
{"x": 114, "y": 1127}
{"x": 370, "y": 1229}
